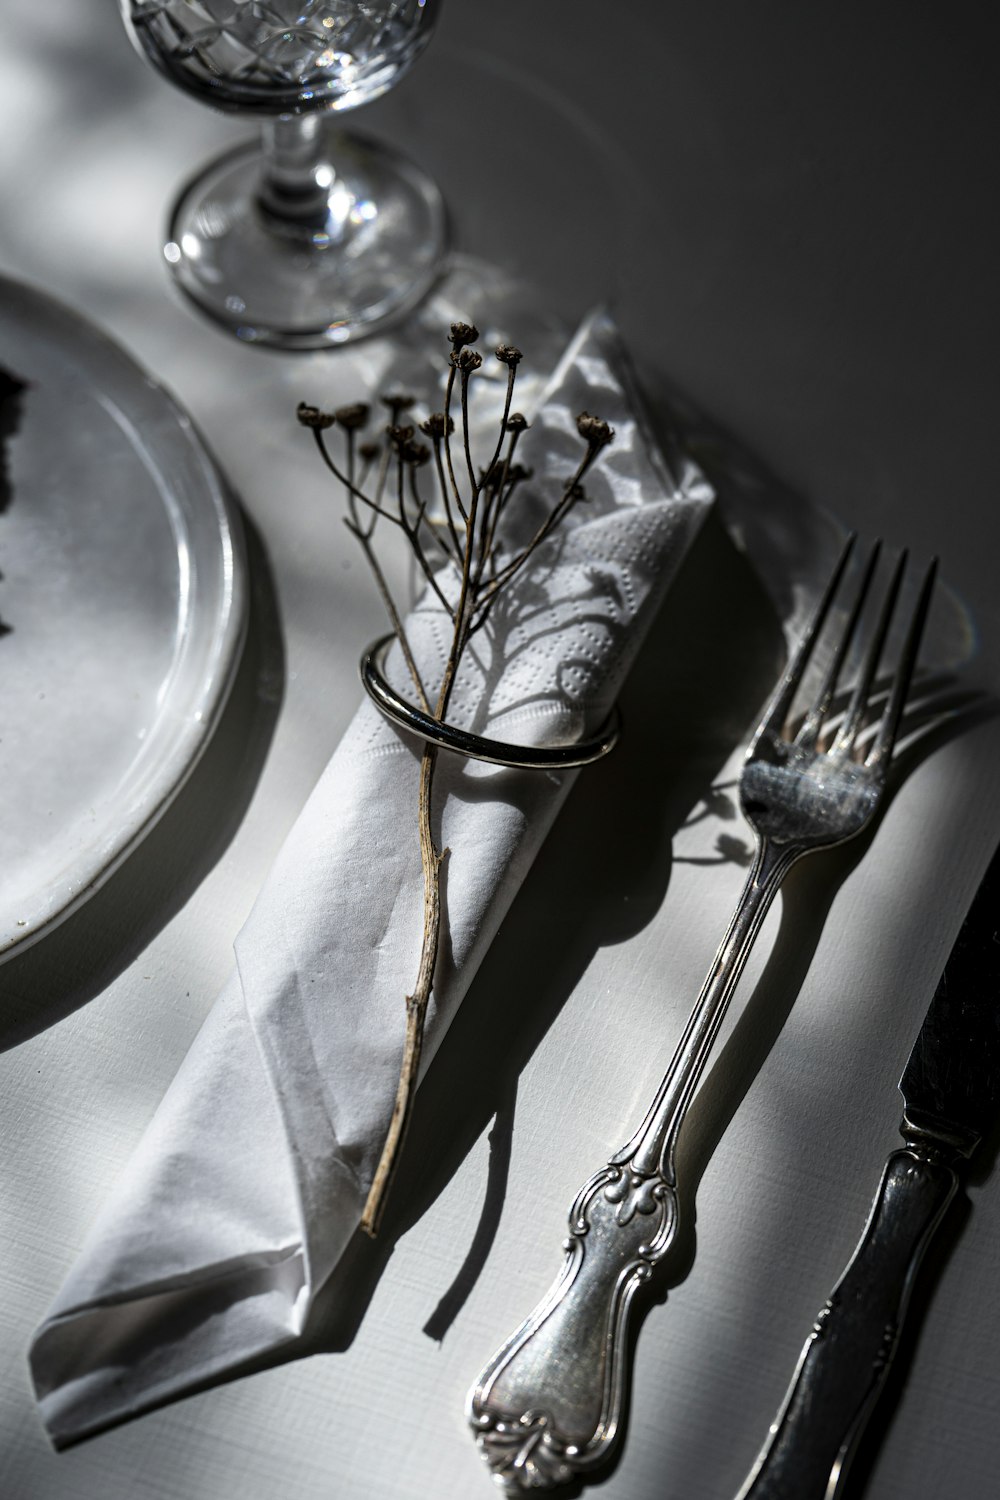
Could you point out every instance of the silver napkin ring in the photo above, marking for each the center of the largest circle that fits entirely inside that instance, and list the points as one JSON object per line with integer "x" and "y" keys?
{"x": 461, "y": 742}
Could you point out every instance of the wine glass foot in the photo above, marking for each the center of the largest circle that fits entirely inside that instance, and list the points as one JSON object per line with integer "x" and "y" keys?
{"x": 360, "y": 249}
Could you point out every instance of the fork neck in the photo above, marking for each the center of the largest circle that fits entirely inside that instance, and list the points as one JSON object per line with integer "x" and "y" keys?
{"x": 651, "y": 1150}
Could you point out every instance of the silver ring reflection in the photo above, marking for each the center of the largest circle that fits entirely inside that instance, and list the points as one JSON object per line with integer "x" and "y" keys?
{"x": 475, "y": 746}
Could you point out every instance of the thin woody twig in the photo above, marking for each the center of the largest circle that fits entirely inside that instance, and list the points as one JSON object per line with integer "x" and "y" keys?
{"x": 391, "y": 610}
{"x": 416, "y": 1005}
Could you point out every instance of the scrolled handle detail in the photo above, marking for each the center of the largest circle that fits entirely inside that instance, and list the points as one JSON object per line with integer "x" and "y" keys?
{"x": 548, "y": 1405}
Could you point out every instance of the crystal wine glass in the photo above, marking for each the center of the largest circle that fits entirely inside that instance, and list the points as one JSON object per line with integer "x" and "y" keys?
{"x": 311, "y": 236}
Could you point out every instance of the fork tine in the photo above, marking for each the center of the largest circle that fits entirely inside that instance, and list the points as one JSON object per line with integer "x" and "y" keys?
{"x": 781, "y": 701}
{"x": 816, "y": 717}
{"x": 888, "y": 727}
{"x": 848, "y": 731}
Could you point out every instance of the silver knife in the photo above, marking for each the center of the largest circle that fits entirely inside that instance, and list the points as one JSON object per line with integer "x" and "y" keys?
{"x": 951, "y": 1096}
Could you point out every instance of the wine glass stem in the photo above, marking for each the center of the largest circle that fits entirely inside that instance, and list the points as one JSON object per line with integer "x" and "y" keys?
{"x": 297, "y": 177}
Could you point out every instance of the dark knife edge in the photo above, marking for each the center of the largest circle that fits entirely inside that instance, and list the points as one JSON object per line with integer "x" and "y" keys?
{"x": 845, "y": 1362}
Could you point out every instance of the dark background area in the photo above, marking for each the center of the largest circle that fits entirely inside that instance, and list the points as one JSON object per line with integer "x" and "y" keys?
{"x": 793, "y": 212}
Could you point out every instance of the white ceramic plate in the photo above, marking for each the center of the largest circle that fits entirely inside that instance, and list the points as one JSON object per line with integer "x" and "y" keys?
{"x": 123, "y": 590}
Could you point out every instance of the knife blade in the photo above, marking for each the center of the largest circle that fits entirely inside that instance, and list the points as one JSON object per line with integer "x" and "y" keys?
{"x": 951, "y": 1097}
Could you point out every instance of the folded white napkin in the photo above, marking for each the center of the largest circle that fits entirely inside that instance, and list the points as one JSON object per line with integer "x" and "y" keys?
{"x": 253, "y": 1174}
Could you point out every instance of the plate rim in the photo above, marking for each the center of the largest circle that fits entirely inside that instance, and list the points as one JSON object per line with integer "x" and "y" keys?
{"x": 146, "y": 802}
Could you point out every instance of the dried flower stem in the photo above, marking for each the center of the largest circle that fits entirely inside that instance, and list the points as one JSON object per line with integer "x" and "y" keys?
{"x": 467, "y": 534}
{"x": 431, "y": 859}
{"x": 416, "y": 1004}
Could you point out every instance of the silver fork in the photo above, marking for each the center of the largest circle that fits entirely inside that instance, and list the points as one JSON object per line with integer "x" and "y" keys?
{"x": 548, "y": 1404}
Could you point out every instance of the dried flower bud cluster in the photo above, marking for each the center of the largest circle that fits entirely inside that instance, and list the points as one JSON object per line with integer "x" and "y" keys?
{"x": 594, "y": 430}
{"x": 437, "y": 426}
{"x": 462, "y": 334}
{"x": 508, "y": 355}
{"x": 354, "y": 416}
{"x": 516, "y": 422}
{"x": 414, "y": 453}
{"x": 311, "y": 416}
{"x": 401, "y": 438}
{"x": 466, "y": 360}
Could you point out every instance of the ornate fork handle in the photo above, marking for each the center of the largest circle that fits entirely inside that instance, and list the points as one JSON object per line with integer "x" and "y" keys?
{"x": 548, "y": 1405}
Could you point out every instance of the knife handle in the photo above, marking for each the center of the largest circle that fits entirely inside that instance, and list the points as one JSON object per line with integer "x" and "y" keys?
{"x": 844, "y": 1363}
